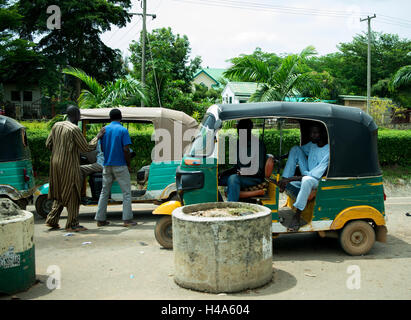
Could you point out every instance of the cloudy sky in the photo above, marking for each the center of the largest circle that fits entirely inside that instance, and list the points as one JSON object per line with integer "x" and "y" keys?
{"x": 222, "y": 29}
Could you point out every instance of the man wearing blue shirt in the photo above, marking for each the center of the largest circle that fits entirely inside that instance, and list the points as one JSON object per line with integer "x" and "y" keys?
{"x": 116, "y": 149}
{"x": 312, "y": 159}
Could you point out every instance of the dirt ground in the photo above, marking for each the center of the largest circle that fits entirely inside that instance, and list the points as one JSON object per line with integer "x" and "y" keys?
{"x": 127, "y": 263}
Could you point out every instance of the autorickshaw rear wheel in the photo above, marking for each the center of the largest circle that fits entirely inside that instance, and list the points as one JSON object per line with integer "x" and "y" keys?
{"x": 43, "y": 205}
{"x": 164, "y": 232}
{"x": 357, "y": 238}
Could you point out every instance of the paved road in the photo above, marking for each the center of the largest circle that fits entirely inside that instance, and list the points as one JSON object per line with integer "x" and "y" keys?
{"x": 127, "y": 263}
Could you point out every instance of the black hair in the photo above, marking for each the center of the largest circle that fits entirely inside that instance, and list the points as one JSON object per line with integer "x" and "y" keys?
{"x": 245, "y": 124}
{"x": 115, "y": 115}
{"x": 72, "y": 110}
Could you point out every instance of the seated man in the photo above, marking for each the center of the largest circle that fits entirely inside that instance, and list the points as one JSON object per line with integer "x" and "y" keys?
{"x": 96, "y": 161}
{"x": 94, "y": 166}
{"x": 312, "y": 159}
{"x": 245, "y": 173}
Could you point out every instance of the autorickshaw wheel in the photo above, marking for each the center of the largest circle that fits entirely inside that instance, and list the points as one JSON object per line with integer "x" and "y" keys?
{"x": 357, "y": 238}
{"x": 174, "y": 197}
{"x": 43, "y": 205}
{"x": 164, "y": 232}
{"x": 22, "y": 203}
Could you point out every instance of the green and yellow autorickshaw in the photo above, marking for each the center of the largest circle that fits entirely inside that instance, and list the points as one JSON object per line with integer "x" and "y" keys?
{"x": 349, "y": 200}
{"x": 16, "y": 171}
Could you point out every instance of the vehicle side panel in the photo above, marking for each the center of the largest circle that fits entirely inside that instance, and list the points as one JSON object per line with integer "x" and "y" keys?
{"x": 333, "y": 196}
{"x": 162, "y": 174}
{"x": 11, "y": 173}
{"x": 209, "y": 192}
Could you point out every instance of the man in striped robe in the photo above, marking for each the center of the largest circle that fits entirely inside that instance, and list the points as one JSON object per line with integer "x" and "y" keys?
{"x": 66, "y": 141}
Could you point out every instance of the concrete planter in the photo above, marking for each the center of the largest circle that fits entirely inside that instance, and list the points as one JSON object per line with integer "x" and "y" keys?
{"x": 17, "y": 263}
{"x": 222, "y": 254}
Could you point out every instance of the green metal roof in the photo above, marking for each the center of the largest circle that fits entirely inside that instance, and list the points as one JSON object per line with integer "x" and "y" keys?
{"x": 243, "y": 88}
{"x": 214, "y": 73}
{"x": 360, "y": 98}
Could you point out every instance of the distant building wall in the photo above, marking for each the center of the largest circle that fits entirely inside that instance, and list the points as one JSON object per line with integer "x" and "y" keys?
{"x": 202, "y": 78}
{"x": 30, "y": 94}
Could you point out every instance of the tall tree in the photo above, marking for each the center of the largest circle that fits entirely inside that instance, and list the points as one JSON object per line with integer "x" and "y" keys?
{"x": 349, "y": 65}
{"x": 400, "y": 86}
{"x": 78, "y": 42}
{"x": 20, "y": 61}
{"x": 261, "y": 63}
{"x": 168, "y": 65}
{"x": 277, "y": 82}
{"x": 119, "y": 92}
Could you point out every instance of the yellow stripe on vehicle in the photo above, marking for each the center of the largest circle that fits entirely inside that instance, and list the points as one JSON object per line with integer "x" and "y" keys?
{"x": 337, "y": 187}
{"x": 375, "y": 184}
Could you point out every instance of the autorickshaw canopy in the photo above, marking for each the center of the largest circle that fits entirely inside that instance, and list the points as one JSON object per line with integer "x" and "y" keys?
{"x": 13, "y": 140}
{"x": 352, "y": 133}
{"x": 171, "y": 121}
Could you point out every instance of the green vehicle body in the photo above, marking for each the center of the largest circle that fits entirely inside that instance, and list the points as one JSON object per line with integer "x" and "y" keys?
{"x": 162, "y": 175}
{"x": 333, "y": 196}
{"x": 17, "y": 180}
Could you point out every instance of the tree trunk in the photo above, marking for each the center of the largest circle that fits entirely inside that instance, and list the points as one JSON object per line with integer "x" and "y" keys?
{"x": 78, "y": 88}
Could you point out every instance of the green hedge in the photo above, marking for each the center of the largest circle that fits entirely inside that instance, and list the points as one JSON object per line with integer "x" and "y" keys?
{"x": 394, "y": 146}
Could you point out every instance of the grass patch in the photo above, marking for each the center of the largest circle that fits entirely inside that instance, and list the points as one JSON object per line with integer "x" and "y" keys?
{"x": 398, "y": 175}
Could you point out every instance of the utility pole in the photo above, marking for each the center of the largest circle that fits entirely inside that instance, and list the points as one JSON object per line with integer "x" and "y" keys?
{"x": 368, "y": 60}
{"x": 143, "y": 41}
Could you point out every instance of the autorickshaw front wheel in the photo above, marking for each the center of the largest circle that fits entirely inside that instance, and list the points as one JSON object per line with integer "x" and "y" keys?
{"x": 164, "y": 232}
{"x": 357, "y": 238}
{"x": 43, "y": 205}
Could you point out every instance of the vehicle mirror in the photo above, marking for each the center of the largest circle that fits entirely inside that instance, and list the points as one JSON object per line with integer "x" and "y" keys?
{"x": 218, "y": 124}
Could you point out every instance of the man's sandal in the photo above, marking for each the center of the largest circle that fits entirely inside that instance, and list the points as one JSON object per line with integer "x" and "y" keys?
{"x": 296, "y": 224}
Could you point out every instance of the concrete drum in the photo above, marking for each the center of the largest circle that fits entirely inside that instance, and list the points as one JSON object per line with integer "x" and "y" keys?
{"x": 222, "y": 254}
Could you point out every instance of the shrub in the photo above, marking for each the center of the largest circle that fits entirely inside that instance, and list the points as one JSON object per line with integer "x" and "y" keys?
{"x": 40, "y": 155}
{"x": 394, "y": 146}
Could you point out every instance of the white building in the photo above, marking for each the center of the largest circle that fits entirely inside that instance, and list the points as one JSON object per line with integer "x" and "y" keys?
{"x": 238, "y": 92}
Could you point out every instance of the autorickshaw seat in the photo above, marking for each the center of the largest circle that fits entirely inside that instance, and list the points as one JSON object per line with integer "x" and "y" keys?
{"x": 261, "y": 188}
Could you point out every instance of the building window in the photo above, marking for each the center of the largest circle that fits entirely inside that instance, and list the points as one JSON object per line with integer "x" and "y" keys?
{"x": 231, "y": 99}
{"x": 15, "y": 96}
{"x": 27, "y": 96}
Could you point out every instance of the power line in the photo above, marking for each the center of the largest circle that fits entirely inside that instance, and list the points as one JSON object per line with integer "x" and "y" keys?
{"x": 399, "y": 24}
{"x": 119, "y": 41}
{"x": 293, "y": 10}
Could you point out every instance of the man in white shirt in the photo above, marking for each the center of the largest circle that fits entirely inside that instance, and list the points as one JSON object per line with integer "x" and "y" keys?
{"x": 312, "y": 159}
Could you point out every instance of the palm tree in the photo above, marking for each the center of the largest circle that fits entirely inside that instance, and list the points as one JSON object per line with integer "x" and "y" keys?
{"x": 275, "y": 82}
{"x": 119, "y": 92}
{"x": 402, "y": 78}
{"x": 399, "y": 87}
